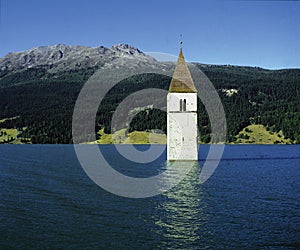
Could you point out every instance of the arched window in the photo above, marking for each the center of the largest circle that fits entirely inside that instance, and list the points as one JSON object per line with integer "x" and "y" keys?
{"x": 184, "y": 105}
{"x": 180, "y": 105}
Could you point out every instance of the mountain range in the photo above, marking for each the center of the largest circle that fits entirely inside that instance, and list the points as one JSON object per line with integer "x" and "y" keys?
{"x": 39, "y": 87}
{"x": 62, "y": 57}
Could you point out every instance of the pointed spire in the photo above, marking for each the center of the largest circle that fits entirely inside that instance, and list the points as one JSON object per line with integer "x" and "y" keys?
{"x": 181, "y": 54}
{"x": 182, "y": 81}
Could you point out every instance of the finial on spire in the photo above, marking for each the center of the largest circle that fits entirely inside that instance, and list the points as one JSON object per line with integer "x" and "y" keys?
{"x": 180, "y": 41}
{"x": 180, "y": 54}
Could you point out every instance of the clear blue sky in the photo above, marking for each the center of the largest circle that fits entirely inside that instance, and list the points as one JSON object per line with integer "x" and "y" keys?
{"x": 255, "y": 33}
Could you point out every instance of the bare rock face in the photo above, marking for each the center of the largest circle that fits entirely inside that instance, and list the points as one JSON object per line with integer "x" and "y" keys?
{"x": 125, "y": 49}
{"x": 62, "y": 57}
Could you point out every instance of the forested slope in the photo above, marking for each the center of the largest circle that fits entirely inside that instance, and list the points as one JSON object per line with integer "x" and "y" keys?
{"x": 43, "y": 102}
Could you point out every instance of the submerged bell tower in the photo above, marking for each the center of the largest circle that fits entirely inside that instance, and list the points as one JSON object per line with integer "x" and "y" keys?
{"x": 182, "y": 129}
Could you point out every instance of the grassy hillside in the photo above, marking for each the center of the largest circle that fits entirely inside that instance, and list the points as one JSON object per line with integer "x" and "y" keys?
{"x": 252, "y": 134}
{"x": 258, "y": 134}
{"x": 135, "y": 137}
{"x": 12, "y": 135}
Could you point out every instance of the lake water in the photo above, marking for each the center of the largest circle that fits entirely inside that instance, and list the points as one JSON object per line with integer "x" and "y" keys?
{"x": 252, "y": 201}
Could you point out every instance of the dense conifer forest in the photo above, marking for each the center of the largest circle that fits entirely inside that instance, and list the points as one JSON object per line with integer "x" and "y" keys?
{"x": 43, "y": 102}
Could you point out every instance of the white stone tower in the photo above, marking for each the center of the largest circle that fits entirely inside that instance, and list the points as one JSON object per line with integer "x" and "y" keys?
{"x": 182, "y": 115}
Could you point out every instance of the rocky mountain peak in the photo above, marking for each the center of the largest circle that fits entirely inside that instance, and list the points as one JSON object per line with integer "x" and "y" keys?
{"x": 126, "y": 49}
{"x": 65, "y": 57}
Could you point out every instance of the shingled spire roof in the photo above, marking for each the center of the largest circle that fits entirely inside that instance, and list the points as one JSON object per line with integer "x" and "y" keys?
{"x": 182, "y": 81}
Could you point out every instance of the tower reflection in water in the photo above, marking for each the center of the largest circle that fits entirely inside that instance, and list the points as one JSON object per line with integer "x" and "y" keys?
{"x": 181, "y": 215}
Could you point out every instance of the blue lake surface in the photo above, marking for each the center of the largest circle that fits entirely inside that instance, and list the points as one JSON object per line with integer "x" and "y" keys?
{"x": 252, "y": 201}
